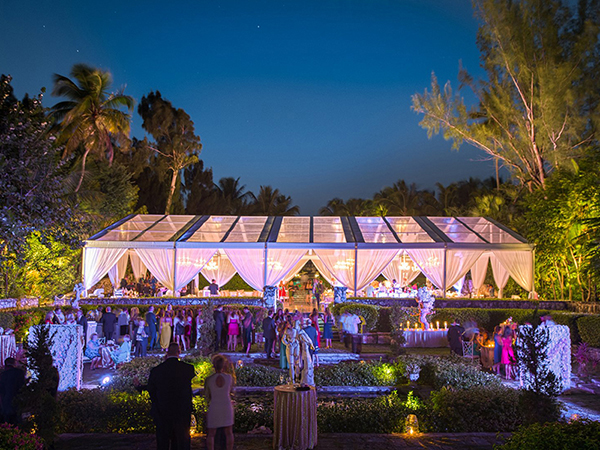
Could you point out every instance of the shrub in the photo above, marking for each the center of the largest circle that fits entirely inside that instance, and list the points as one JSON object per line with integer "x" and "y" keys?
{"x": 479, "y": 409}
{"x": 7, "y": 320}
{"x": 368, "y": 312}
{"x": 589, "y": 330}
{"x": 256, "y": 375}
{"x": 384, "y": 324}
{"x": 379, "y": 415}
{"x": 12, "y": 438}
{"x": 103, "y": 411}
{"x": 251, "y": 414}
{"x": 355, "y": 373}
{"x": 576, "y": 435}
{"x": 449, "y": 372}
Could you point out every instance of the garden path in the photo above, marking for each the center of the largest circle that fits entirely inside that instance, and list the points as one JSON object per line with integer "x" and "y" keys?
{"x": 346, "y": 441}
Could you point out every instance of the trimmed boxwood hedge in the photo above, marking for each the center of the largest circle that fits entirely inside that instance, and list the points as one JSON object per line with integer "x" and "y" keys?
{"x": 369, "y": 312}
{"x": 589, "y": 330}
{"x": 575, "y": 435}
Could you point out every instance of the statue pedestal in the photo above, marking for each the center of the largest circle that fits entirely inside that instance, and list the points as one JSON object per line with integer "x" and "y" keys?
{"x": 270, "y": 296}
{"x": 339, "y": 294}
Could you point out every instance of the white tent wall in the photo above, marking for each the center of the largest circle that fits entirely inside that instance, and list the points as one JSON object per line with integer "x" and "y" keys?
{"x": 500, "y": 275}
{"x": 219, "y": 268}
{"x": 479, "y": 271}
{"x": 97, "y": 262}
{"x": 117, "y": 272}
{"x": 519, "y": 265}
{"x": 402, "y": 269}
{"x": 175, "y": 248}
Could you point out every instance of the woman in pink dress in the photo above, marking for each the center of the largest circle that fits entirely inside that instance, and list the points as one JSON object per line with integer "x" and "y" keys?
{"x": 508, "y": 355}
{"x": 233, "y": 330}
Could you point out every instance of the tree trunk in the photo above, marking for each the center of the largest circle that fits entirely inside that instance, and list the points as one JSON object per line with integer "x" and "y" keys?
{"x": 171, "y": 192}
{"x": 497, "y": 174}
{"x": 82, "y": 169}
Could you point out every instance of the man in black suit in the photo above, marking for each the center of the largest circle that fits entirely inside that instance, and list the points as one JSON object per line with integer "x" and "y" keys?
{"x": 219, "y": 317}
{"x": 81, "y": 320}
{"x": 269, "y": 333}
{"x": 454, "y": 336}
{"x": 108, "y": 321}
{"x": 170, "y": 389}
{"x": 11, "y": 381}
{"x": 151, "y": 322}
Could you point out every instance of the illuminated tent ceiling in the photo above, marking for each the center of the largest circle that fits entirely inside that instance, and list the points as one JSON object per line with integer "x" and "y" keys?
{"x": 350, "y": 251}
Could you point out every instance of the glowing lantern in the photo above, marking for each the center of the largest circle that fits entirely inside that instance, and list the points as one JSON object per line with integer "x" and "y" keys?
{"x": 411, "y": 426}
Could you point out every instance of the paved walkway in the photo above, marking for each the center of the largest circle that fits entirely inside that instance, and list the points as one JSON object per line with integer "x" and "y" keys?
{"x": 458, "y": 441}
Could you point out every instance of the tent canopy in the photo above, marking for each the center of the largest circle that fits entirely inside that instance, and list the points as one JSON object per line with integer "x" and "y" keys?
{"x": 264, "y": 249}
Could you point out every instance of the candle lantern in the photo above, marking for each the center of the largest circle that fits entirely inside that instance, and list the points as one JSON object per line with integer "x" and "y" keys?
{"x": 437, "y": 324}
{"x": 411, "y": 425}
{"x": 193, "y": 425}
{"x": 445, "y": 325}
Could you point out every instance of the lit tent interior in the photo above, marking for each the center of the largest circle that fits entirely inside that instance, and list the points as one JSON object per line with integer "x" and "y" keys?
{"x": 347, "y": 251}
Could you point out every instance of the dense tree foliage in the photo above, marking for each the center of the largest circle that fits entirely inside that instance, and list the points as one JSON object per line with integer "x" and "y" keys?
{"x": 538, "y": 107}
{"x": 91, "y": 120}
{"x": 31, "y": 189}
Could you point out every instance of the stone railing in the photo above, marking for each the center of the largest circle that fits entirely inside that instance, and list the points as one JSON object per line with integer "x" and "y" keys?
{"x": 466, "y": 303}
{"x": 175, "y": 301}
{"x": 24, "y": 303}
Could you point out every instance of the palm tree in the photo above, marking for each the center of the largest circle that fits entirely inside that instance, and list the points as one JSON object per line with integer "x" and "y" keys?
{"x": 91, "y": 118}
{"x": 271, "y": 202}
{"x": 232, "y": 195}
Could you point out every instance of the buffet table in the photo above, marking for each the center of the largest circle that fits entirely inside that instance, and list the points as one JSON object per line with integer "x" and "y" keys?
{"x": 295, "y": 418}
{"x": 423, "y": 338}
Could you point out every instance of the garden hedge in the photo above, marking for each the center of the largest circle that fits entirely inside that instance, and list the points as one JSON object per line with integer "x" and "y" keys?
{"x": 369, "y": 312}
{"x": 589, "y": 330}
{"x": 575, "y": 435}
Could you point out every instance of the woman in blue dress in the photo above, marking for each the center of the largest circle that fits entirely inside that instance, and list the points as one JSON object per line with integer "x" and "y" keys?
{"x": 92, "y": 351}
{"x": 123, "y": 353}
{"x": 328, "y": 323}
{"x": 283, "y": 362}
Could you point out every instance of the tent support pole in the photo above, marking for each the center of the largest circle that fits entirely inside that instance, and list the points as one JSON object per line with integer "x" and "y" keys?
{"x": 355, "y": 268}
{"x": 265, "y": 269}
{"x": 175, "y": 270}
{"x": 83, "y": 269}
{"x": 445, "y": 269}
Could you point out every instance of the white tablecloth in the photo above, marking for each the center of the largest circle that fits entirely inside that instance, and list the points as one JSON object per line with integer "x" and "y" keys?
{"x": 295, "y": 418}
{"x": 422, "y": 338}
{"x": 8, "y": 347}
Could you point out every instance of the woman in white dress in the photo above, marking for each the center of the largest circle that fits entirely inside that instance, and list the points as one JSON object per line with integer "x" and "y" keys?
{"x": 217, "y": 390}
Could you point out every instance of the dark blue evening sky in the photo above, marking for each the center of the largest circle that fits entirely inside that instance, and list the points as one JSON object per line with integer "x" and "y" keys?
{"x": 311, "y": 97}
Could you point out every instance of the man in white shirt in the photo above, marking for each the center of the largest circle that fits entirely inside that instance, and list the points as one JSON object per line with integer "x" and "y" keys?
{"x": 352, "y": 323}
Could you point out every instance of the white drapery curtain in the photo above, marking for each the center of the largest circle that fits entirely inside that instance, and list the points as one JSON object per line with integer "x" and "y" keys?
{"x": 458, "y": 263}
{"x": 280, "y": 262}
{"x": 117, "y": 272}
{"x": 459, "y": 285}
{"x": 431, "y": 263}
{"x": 159, "y": 262}
{"x": 325, "y": 273}
{"x": 219, "y": 269}
{"x": 190, "y": 261}
{"x": 249, "y": 263}
{"x": 371, "y": 264}
{"x": 97, "y": 262}
{"x": 139, "y": 269}
{"x": 519, "y": 265}
{"x": 340, "y": 263}
{"x": 500, "y": 275}
{"x": 479, "y": 271}
{"x": 299, "y": 265}
{"x": 402, "y": 269}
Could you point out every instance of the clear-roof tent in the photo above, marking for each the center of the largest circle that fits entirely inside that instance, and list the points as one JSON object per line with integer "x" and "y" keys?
{"x": 140, "y": 230}
{"x": 351, "y": 251}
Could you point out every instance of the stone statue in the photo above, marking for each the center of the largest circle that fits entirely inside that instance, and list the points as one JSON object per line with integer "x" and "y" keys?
{"x": 290, "y": 339}
{"x": 425, "y": 300}
{"x": 307, "y": 375}
{"x": 78, "y": 290}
